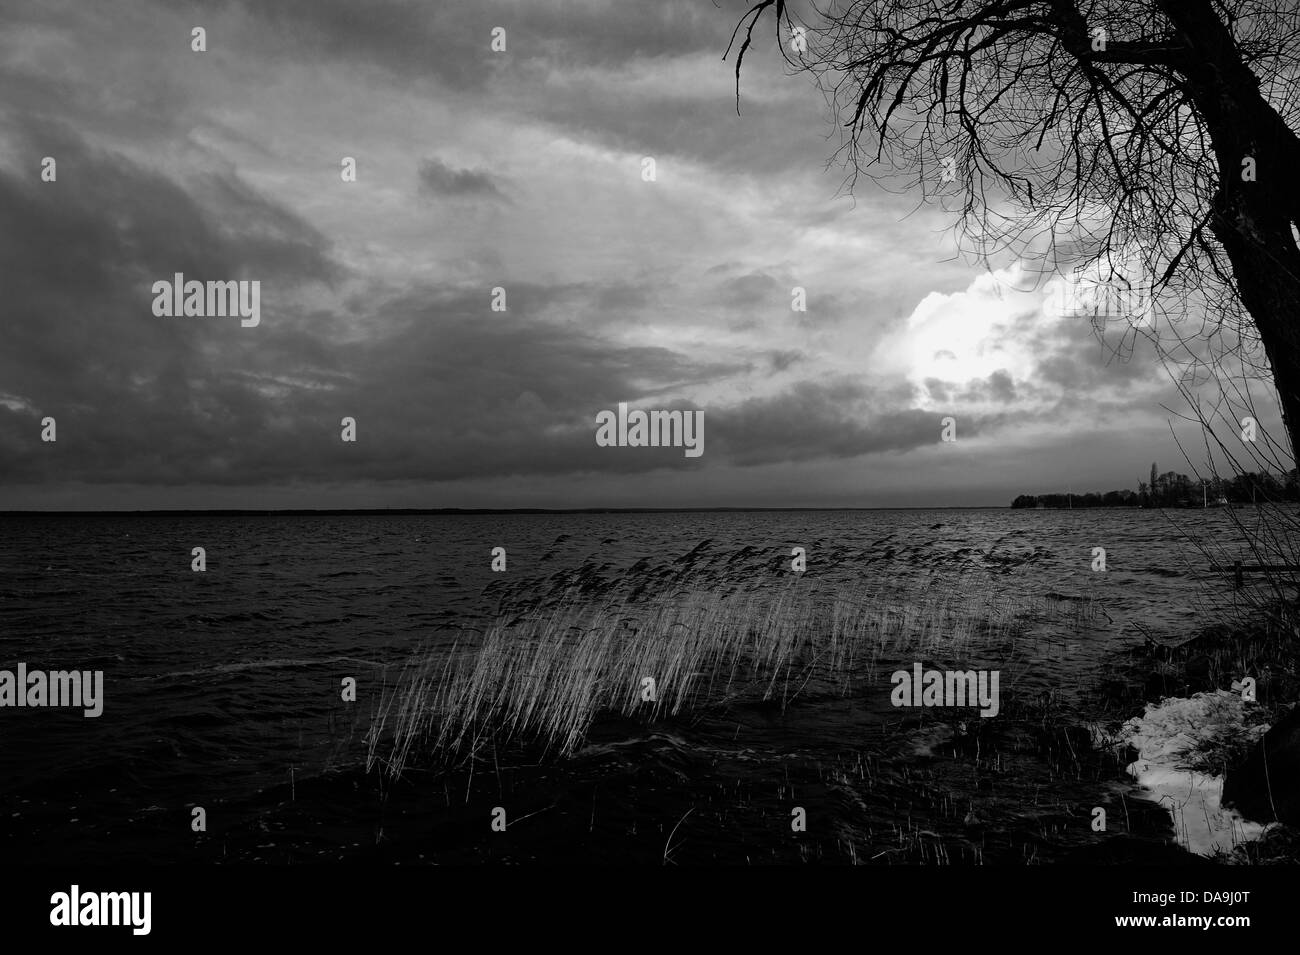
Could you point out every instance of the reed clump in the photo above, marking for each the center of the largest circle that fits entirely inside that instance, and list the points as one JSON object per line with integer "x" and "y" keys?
{"x": 544, "y": 676}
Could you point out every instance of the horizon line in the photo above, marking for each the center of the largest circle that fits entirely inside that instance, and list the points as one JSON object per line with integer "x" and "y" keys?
{"x": 344, "y": 511}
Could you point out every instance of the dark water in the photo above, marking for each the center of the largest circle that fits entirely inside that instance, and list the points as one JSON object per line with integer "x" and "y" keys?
{"x": 222, "y": 689}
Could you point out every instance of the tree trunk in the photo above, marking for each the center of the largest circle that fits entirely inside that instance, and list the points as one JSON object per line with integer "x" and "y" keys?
{"x": 1253, "y": 220}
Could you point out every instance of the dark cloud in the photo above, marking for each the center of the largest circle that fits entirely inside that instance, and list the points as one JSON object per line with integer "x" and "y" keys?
{"x": 1001, "y": 387}
{"x": 813, "y": 420}
{"x": 441, "y": 387}
{"x": 998, "y": 387}
{"x": 439, "y": 179}
{"x": 90, "y": 239}
{"x": 1077, "y": 359}
{"x": 783, "y": 360}
{"x": 624, "y": 297}
{"x": 763, "y": 293}
{"x": 755, "y": 289}
{"x": 937, "y": 390}
{"x": 82, "y": 343}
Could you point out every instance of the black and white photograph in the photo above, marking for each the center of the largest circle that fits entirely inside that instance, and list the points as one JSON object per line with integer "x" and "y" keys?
{"x": 650, "y": 434}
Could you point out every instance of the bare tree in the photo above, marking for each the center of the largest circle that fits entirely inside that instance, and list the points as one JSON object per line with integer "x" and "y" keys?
{"x": 1109, "y": 132}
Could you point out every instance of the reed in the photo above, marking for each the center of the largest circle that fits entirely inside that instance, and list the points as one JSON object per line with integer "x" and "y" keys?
{"x": 544, "y": 676}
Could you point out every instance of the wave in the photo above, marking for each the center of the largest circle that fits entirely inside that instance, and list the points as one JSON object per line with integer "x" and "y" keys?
{"x": 261, "y": 665}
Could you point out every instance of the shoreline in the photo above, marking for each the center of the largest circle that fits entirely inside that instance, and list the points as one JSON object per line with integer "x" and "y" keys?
{"x": 1209, "y": 751}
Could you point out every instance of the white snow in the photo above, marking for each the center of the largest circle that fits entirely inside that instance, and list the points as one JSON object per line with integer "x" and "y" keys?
{"x": 1172, "y": 738}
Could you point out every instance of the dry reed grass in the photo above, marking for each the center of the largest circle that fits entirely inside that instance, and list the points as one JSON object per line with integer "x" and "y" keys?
{"x": 545, "y": 676}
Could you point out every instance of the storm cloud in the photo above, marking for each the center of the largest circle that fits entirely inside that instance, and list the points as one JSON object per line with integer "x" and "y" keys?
{"x": 500, "y": 270}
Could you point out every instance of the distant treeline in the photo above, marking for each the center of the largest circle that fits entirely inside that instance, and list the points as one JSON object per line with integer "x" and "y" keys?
{"x": 1178, "y": 490}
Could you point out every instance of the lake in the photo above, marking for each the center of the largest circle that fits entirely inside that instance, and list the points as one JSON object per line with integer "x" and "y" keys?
{"x": 222, "y": 689}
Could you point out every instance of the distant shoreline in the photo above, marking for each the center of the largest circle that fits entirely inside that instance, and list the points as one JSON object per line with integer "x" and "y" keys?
{"x": 419, "y": 511}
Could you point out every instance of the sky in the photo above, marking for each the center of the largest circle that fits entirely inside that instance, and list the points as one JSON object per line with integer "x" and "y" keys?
{"x": 524, "y": 170}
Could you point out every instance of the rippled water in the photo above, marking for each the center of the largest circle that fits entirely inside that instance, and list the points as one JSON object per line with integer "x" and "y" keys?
{"x": 222, "y": 688}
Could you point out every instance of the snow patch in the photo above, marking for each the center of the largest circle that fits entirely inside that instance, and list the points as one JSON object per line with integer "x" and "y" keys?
{"x": 1178, "y": 741}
